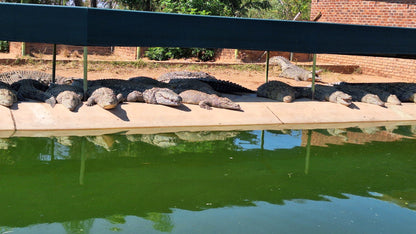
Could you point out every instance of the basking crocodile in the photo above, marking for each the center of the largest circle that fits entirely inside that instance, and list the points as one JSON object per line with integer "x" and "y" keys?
{"x": 33, "y": 89}
{"x": 162, "y": 96}
{"x": 103, "y": 96}
{"x": 207, "y": 101}
{"x": 68, "y": 95}
{"x": 277, "y": 90}
{"x": 7, "y": 95}
{"x": 383, "y": 94}
{"x": 292, "y": 71}
{"x": 180, "y": 85}
{"x": 405, "y": 92}
{"x": 221, "y": 86}
{"x": 139, "y": 89}
{"x": 45, "y": 78}
{"x": 359, "y": 95}
{"x": 325, "y": 93}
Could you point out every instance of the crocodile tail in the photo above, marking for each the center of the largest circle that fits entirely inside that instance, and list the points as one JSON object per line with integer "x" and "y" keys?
{"x": 224, "y": 86}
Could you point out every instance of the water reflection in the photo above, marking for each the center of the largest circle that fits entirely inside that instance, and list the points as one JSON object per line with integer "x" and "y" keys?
{"x": 110, "y": 183}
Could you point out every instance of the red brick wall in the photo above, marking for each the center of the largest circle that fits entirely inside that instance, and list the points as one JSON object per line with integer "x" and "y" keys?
{"x": 31, "y": 47}
{"x": 256, "y": 56}
{"x": 399, "y": 13}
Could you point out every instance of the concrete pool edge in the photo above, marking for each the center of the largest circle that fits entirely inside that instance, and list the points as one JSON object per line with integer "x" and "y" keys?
{"x": 39, "y": 119}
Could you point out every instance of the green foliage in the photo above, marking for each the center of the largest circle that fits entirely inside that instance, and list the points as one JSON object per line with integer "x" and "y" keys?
{"x": 194, "y": 7}
{"x": 165, "y": 53}
{"x": 142, "y": 5}
{"x": 240, "y": 8}
{"x": 283, "y": 9}
{"x": 4, "y": 46}
{"x": 203, "y": 54}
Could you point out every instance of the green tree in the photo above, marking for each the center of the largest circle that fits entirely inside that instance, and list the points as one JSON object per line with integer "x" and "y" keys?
{"x": 240, "y": 8}
{"x": 283, "y": 9}
{"x": 194, "y": 7}
{"x": 141, "y": 5}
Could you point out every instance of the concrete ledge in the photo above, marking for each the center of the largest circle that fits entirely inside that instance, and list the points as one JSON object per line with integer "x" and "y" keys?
{"x": 40, "y": 116}
{"x": 39, "y": 119}
{"x": 7, "y": 127}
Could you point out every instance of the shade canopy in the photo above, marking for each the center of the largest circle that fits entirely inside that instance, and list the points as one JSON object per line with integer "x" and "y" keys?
{"x": 103, "y": 27}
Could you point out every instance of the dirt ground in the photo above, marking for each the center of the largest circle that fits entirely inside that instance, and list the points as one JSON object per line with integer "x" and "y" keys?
{"x": 250, "y": 76}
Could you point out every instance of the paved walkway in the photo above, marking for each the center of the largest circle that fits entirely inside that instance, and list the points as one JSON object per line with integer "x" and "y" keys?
{"x": 39, "y": 119}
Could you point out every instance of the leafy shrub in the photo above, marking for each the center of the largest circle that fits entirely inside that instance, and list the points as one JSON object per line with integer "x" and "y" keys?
{"x": 203, "y": 54}
{"x": 4, "y": 46}
{"x": 165, "y": 53}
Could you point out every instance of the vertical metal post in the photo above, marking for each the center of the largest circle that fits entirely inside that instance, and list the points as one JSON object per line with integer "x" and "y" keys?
{"x": 267, "y": 65}
{"x": 83, "y": 159}
{"x": 54, "y": 63}
{"x": 313, "y": 76}
{"x": 85, "y": 71}
{"x": 23, "y": 48}
{"x": 138, "y": 52}
{"x": 236, "y": 54}
{"x": 308, "y": 152}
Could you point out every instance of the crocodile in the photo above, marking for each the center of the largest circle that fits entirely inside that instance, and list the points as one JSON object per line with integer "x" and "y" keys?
{"x": 180, "y": 85}
{"x": 359, "y": 95}
{"x": 405, "y": 92}
{"x": 68, "y": 95}
{"x": 103, "y": 97}
{"x": 221, "y": 86}
{"x": 45, "y": 78}
{"x": 140, "y": 89}
{"x": 33, "y": 89}
{"x": 291, "y": 71}
{"x": 7, "y": 95}
{"x": 163, "y": 96}
{"x": 325, "y": 93}
{"x": 206, "y": 101}
{"x": 277, "y": 90}
{"x": 383, "y": 94}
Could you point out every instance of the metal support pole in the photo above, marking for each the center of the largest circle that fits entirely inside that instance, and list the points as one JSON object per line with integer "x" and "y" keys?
{"x": 85, "y": 72}
{"x": 83, "y": 159}
{"x": 308, "y": 152}
{"x": 313, "y": 76}
{"x": 267, "y": 66}
{"x": 138, "y": 52}
{"x": 54, "y": 63}
{"x": 23, "y": 48}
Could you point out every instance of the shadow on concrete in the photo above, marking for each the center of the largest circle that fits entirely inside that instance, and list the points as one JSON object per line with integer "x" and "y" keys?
{"x": 120, "y": 113}
{"x": 182, "y": 107}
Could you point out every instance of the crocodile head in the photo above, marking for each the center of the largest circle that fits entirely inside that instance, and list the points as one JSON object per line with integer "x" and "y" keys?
{"x": 392, "y": 99}
{"x": 69, "y": 99}
{"x": 163, "y": 96}
{"x": 341, "y": 98}
{"x": 372, "y": 99}
{"x": 106, "y": 98}
{"x": 7, "y": 97}
{"x": 227, "y": 104}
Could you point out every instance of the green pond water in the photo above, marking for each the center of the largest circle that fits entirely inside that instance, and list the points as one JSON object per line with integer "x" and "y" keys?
{"x": 321, "y": 181}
